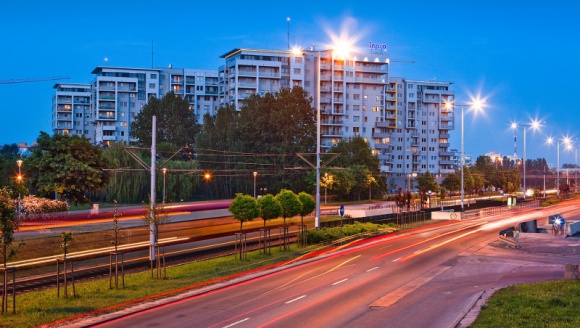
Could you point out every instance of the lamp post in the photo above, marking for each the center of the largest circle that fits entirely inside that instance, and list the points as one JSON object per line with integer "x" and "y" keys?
{"x": 19, "y": 163}
{"x": 477, "y": 104}
{"x": 325, "y": 186}
{"x": 164, "y": 170}
{"x": 565, "y": 140}
{"x": 535, "y": 125}
{"x": 255, "y": 175}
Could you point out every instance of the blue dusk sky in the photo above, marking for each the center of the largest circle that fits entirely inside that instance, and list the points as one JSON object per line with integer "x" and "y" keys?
{"x": 521, "y": 56}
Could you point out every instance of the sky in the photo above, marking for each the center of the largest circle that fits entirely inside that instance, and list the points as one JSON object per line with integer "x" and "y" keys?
{"x": 522, "y": 57}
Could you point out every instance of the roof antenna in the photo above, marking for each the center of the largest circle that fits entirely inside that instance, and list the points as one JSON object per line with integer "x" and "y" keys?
{"x": 288, "y": 25}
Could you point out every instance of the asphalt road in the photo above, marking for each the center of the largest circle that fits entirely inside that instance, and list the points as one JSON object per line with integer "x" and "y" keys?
{"x": 428, "y": 277}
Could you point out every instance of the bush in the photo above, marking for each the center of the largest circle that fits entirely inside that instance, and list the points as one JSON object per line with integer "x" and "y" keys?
{"x": 33, "y": 207}
{"x": 550, "y": 202}
{"x": 326, "y": 235}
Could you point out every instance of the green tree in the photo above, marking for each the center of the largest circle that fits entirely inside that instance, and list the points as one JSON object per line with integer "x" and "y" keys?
{"x": 9, "y": 224}
{"x": 270, "y": 208}
{"x": 452, "y": 182}
{"x": 291, "y": 205}
{"x": 426, "y": 182}
{"x": 244, "y": 208}
{"x": 176, "y": 122}
{"x": 69, "y": 166}
{"x": 356, "y": 155}
{"x": 308, "y": 205}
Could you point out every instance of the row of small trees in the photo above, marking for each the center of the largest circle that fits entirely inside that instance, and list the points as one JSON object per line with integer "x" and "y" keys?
{"x": 285, "y": 204}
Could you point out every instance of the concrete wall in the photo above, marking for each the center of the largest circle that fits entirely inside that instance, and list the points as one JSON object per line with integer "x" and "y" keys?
{"x": 354, "y": 213}
{"x": 444, "y": 215}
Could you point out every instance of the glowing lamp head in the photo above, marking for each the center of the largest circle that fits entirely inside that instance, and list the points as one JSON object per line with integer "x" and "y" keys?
{"x": 207, "y": 176}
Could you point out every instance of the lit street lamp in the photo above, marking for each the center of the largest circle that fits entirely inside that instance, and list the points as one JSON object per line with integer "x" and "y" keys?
{"x": 325, "y": 183}
{"x": 255, "y": 175}
{"x": 476, "y": 104}
{"x": 535, "y": 125}
{"x": 565, "y": 140}
{"x": 164, "y": 172}
{"x": 19, "y": 178}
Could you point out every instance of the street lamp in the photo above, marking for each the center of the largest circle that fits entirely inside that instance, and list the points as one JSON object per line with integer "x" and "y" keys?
{"x": 325, "y": 185}
{"x": 19, "y": 178}
{"x": 476, "y": 104}
{"x": 255, "y": 175}
{"x": 549, "y": 141}
{"x": 535, "y": 125}
{"x": 164, "y": 170}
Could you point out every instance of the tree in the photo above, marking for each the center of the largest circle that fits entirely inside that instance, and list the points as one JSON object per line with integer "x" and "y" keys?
{"x": 291, "y": 205}
{"x": 155, "y": 217}
{"x": 356, "y": 155}
{"x": 9, "y": 224}
{"x": 452, "y": 182}
{"x": 244, "y": 208}
{"x": 270, "y": 208}
{"x": 176, "y": 122}
{"x": 426, "y": 183}
{"x": 68, "y": 166}
{"x": 308, "y": 205}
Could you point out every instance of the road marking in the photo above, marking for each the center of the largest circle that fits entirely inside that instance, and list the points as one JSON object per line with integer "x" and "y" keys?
{"x": 395, "y": 260}
{"x": 235, "y": 323}
{"x": 406, "y": 289}
{"x": 371, "y": 269}
{"x": 338, "y": 282}
{"x": 296, "y": 299}
{"x": 343, "y": 263}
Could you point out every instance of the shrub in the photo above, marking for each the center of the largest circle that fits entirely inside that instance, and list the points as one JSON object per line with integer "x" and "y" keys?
{"x": 33, "y": 207}
{"x": 326, "y": 235}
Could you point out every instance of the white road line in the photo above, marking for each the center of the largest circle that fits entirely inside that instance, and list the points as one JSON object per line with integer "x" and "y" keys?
{"x": 235, "y": 323}
{"x": 338, "y": 282}
{"x": 371, "y": 269}
{"x": 396, "y": 259}
{"x": 296, "y": 299}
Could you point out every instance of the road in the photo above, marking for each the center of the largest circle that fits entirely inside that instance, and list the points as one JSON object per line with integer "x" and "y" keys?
{"x": 428, "y": 277}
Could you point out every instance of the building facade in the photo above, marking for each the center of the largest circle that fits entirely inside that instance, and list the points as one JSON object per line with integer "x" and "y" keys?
{"x": 405, "y": 122}
{"x": 71, "y": 109}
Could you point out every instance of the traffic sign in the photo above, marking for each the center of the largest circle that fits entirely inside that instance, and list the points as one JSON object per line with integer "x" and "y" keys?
{"x": 341, "y": 210}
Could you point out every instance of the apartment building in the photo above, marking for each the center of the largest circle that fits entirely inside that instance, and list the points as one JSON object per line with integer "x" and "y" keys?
{"x": 420, "y": 138}
{"x": 104, "y": 109}
{"x": 404, "y": 121}
{"x": 71, "y": 109}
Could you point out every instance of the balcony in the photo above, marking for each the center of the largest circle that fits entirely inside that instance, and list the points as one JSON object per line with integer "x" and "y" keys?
{"x": 384, "y": 146}
{"x": 446, "y": 162}
{"x": 444, "y": 145}
{"x": 247, "y": 72}
{"x": 447, "y": 153}
{"x": 332, "y": 134}
{"x": 380, "y": 135}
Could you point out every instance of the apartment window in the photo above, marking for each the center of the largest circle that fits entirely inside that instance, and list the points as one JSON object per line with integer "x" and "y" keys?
{"x": 356, "y": 108}
{"x": 364, "y": 108}
{"x": 399, "y": 166}
{"x": 356, "y": 86}
{"x": 366, "y": 119}
{"x": 400, "y": 157}
{"x": 355, "y": 129}
{"x": 307, "y": 83}
{"x": 356, "y": 118}
{"x": 297, "y": 71}
{"x": 153, "y": 76}
{"x": 151, "y": 85}
{"x": 410, "y": 86}
{"x": 411, "y": 95}
{"x": 356, "y": 97}
{"x": 298, "y": 60}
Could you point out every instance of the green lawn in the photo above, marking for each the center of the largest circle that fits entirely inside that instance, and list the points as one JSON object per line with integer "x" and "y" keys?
{"x": 36, "y": 308}
{"x": 547, "y": 304}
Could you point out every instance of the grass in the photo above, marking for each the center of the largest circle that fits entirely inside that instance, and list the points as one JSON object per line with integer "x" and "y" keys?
{"x": 36, "y": 308}
{"x": 546, "y": 304}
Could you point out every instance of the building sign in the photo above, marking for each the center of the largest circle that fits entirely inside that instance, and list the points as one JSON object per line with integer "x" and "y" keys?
{"x": 377, "y": 47}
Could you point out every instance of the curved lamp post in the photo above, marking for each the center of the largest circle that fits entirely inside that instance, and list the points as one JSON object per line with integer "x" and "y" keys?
{"x": 534, "y": 125}
{"x": 476, "y": 104}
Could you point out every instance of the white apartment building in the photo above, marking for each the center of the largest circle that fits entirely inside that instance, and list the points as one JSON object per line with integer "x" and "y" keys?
{"x": 351, "y": 90}
{"x": 71, "y": 109}
{"x": 118, "y": 94}
{"x": 420, "y": 140}
{"x": 198, "y": 86}
{"x": 104, "y": 110}
{"x": 404, "y": 121}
